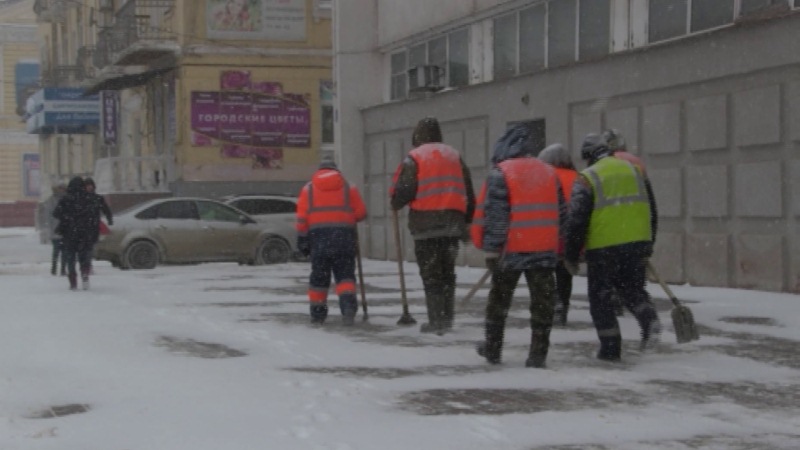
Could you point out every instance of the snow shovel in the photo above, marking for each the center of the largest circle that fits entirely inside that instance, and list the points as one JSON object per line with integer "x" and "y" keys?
{"x": 682, "y": 317}
{"x": 361, "y": 280}
{"x": 406, "y": 318}
{"x": 475, "y": 288}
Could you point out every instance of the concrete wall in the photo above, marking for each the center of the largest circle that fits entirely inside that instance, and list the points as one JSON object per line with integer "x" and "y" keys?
{"x": 716, "y": 118}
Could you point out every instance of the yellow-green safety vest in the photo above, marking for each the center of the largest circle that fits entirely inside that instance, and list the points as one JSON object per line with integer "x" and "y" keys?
{"x": 621, "y": 207}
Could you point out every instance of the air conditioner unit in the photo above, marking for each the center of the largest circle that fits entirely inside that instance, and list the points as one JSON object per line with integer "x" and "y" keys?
{"x": 426, "y": 78}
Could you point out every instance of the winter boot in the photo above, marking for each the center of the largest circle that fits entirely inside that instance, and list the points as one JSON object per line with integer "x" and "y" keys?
{"x": 492, "y": 347}
{"x": 319, "y": 312}
{"x": 348, "y": 306}
{"x": 435, "y": 315}
{"x": 540, "y": 343}
{"x": 560, "y": 314}
{"x": 651, "y": 335}
{"x": 85, "y": 280}
{"x": 448, "y": 308}
{"x": 73, "y": 281}
{"x": 610, "y": 348}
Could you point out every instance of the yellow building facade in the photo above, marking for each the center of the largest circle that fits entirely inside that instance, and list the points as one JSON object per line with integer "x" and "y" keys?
{"x": 19, "y": 152}
{"x": 208, "y": 98}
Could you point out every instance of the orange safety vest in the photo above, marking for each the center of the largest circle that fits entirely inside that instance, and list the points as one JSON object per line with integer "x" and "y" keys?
{"x": 567, "y": 178}
{"x": 533, "y": 200}
{"x": 319, "y": 208}
{"x": 440, "y": 179}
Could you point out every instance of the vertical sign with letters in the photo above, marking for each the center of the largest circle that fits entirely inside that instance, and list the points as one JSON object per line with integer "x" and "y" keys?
{"x": 109, "y": 106}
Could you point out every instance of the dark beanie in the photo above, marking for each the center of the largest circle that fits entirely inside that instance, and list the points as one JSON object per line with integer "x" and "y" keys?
{"x": 328, "y": 162}
{"x": 427, "y": 131}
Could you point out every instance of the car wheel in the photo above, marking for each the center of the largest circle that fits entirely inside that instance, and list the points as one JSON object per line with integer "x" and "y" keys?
{"x": 273, "y": 250}
{"x": 141, "y": 255}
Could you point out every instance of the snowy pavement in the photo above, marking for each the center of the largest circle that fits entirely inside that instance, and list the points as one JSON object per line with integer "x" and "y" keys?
{"x": 221, "y": 356}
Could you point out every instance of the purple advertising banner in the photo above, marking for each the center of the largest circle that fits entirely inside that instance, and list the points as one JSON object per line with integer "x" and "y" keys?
{"x": 109, "y": 110}
{"x": 250, "y": 118}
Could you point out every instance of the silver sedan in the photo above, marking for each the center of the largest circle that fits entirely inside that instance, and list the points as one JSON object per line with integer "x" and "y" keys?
{"x": 182, "y": 230}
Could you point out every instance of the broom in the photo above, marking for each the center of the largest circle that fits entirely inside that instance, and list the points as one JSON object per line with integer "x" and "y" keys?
{"x": 682, "y": 317}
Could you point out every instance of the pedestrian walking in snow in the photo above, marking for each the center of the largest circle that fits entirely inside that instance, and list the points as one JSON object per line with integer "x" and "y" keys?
{"x": 619, "y": 148}
{"x": 98, "y": 204}
{"x": 612, "y": 213}
{"x": 49, "y": 226}
{"x": 558, "y": 157}
{"x": 328, "y": 209}
{"x": 77, "y": 215}
{"x": 437, "y": 187}
{"x": 517, "y": 224}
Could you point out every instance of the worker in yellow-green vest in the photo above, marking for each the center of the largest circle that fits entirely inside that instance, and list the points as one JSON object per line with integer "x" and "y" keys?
{"x": 612, "y": 213}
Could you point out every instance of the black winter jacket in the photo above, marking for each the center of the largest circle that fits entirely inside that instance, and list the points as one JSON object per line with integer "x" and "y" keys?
{"x": 78, "y": 217}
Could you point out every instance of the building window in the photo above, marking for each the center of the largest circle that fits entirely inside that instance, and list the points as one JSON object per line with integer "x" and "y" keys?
{"x": 749, "y": 6}
{"x": 561, "y": 32}
{"x": 449, "y": 52}
{"x": 505, "y": 47}
{"x": 711, "y": 14}
{"x": 399, "y": 85}
{"x": 532, "y": 39}
{"x": 458, "y": 61}
{"x": 594, "y": 19}
{"x": 667, "y": 19}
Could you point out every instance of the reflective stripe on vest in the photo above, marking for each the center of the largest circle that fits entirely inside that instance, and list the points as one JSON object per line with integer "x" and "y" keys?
{"x": 327, "y": 216}
{"x": 478, "y": 219}
{"x": 621, "y": 207}
{"x": 533, "y": 199}
{"x": 440, "y": 180}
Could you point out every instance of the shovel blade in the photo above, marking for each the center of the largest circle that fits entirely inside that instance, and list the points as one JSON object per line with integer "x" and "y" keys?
{"x": 683, "y": 322}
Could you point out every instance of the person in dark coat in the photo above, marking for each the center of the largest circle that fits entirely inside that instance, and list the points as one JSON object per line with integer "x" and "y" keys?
{"x": 77, "y": 214}
{"x": 50, "y": 228}
{"x": 558, "y": 157}
{"x": 100, "y": 205}
{"x": 518, "y": 225}
{"x": 613, "y": 215}
{"x": 328, "y": 210}
{"x": 436, "y": 185}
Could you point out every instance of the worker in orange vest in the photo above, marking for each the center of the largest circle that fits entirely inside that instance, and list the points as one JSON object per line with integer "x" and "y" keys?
{"x": 558, "y": 157}
{"x": 436, "y": 185}
{"x": 518, "y": 224}
{"x": 328, "y": 209}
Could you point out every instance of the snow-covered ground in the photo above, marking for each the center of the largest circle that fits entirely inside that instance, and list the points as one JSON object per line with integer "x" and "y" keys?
{"x": 221, "y": 356}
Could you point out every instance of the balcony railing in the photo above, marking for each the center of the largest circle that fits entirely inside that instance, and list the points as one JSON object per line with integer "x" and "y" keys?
{"x": 142, "y": 25}
{"x": 62, "y": 76}
{"x": 50, "y": 10}
{"x": 134, "y": 174}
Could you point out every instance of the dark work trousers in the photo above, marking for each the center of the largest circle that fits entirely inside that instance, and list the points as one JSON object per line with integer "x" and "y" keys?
{"x": 563, "y": 284}
{"x": 436, "y": 258}
{"x": 541, "y": 287}
{"x": 625, "y": 275}
{"x": 80, "y": 253}
{"x": 334, "y": 253}
{"x": 58, "y": 255}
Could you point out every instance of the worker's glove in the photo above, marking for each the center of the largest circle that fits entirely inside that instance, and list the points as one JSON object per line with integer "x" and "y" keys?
{"x": 492, "y": 261}
{"x": 303, "y": 246}
{"x": 572, "y": 267}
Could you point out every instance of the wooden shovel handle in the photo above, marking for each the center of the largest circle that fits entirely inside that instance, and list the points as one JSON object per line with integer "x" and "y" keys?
{"x": 663, "y": 285}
